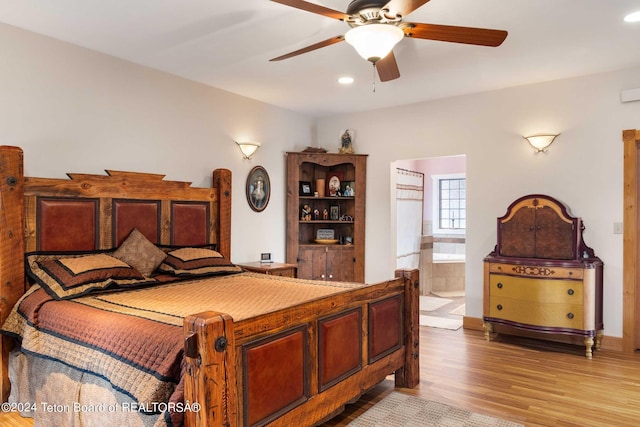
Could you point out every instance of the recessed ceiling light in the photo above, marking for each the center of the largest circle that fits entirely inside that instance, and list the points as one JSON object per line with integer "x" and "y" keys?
{"x": 345, "y": 80}
{"x": 632, "y": 17}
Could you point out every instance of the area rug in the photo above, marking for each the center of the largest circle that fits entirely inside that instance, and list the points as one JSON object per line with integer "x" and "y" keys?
{"x": 440, "y": 322}
{"x": 428, "y": 303}
{"x": 403, "y": 410}
{"x": 449, "y": 294}
{"x": 459, "y": 311}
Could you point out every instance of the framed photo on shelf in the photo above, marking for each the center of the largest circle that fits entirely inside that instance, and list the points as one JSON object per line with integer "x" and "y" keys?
{"x": 334, "y": 213}
{"x": 334, "y": 180}
{"x": 349, "y": 189}
{"x": 305, "y": 188}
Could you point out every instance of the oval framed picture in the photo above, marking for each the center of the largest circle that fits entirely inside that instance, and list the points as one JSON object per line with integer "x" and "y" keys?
{"x": 258, "y": 188}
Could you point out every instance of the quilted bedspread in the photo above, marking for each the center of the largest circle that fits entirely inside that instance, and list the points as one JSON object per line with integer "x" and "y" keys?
{"x": 134, "y": 339}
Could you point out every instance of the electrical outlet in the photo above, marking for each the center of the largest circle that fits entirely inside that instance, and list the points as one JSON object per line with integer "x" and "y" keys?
{"x": 617, "y": 228}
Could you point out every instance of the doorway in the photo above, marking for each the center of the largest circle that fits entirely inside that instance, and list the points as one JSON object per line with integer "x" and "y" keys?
{"x": 436, "y": 245}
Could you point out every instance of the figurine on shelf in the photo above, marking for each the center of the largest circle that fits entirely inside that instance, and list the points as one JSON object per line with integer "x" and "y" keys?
{"x": 346, "y": 141}
{"x": 325, "y": 215}
{"x": 306, "y": 213}
{"x": 316, "y": 214}
{"x": 348, "y": 191}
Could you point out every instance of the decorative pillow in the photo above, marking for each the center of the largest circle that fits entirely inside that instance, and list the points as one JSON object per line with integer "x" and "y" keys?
{"x": 192, "y": 261}
{"x": 66, "y": 276}
{"x": 140, "y": 253}
{"x": 169, "y": 248}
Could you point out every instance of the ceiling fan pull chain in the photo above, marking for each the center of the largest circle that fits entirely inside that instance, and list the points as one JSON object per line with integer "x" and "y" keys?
{"x": 374, "y": 77}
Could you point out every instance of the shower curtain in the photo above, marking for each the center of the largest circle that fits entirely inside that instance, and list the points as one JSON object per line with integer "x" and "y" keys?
{"x": 409, "y": 202}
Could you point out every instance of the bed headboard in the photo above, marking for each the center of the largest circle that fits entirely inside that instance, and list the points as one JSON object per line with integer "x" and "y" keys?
{"x": 87, "y": 212}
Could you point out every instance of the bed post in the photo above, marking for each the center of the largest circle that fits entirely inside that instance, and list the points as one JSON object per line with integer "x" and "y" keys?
{"x": 409, "y": 375}
{"x": 210, "y": 379}
{"x": 11, "y": 246}
{"x": 222, "y": 181}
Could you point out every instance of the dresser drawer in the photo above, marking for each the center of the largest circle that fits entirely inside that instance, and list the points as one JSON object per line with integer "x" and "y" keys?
{"x": 539, "y": 271}
{"x": 536, "y": 290}
{"x": 535, "y": 313}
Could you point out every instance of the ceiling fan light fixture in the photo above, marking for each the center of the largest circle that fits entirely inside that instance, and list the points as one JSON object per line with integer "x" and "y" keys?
{"x": 632, "y": 17}
{"x": 374, "y": 41}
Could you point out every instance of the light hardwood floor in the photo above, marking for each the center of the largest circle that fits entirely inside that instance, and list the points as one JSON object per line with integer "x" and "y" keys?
{"x": 532, "y": 382}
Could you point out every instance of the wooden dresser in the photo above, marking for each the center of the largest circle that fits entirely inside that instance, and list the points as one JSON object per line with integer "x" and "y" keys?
{"x": 541, "y": 276}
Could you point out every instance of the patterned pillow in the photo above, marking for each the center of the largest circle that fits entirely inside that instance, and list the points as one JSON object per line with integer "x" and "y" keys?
{"x": 66, "y": 276}
{"x": 195, "y": 262}
{"x": 140, "y": 253}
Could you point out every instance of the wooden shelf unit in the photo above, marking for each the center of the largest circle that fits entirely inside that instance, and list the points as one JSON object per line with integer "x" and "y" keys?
{"x": 336, "y": 262}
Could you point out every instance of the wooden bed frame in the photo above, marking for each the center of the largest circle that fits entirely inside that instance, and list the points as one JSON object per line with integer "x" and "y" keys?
{"x": 240, "y": 373}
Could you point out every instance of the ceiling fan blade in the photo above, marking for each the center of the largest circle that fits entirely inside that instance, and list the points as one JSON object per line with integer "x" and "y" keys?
{"x": 387, "y": 68}
{"x": 448, "y": 33}
{"x": 314, "y": 46}
{"x": 403, "y": 7}
{"x": 314, "y": 8}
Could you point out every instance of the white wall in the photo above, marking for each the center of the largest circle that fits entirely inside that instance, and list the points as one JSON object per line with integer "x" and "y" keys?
{"x": 75, "y": 110}
{"x": 583, "y": 167}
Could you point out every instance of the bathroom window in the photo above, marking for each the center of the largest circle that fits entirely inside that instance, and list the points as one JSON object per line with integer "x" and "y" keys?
{"x": 449, "y": 203}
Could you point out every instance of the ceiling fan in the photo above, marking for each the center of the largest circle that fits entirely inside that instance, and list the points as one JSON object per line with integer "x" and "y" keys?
{"x": 377, "y": 26}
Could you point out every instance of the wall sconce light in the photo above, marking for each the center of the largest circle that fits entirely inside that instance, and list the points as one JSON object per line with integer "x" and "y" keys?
{"x": 248, "y": 148}
{"x": 540, "y": 142}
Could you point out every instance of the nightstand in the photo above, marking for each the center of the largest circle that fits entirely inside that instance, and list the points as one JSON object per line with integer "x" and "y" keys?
{"x": 272, "y": 268}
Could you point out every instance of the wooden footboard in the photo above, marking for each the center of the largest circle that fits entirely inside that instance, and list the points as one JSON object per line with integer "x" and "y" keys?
{"x": 296, "y": 367}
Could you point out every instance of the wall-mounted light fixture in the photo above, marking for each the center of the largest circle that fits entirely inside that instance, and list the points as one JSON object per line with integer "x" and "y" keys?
{"x": 541, "y": 142}
{"x": 248, "y": 148}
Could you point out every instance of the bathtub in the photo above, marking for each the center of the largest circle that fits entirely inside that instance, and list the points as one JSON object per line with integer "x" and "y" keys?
{"x": 447, "y": 272}
{"x": 444, "y": 257}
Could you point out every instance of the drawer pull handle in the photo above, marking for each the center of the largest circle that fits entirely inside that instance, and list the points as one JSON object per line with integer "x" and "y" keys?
{"x": 499, "y": 285}
{"x": 570, "y": 315}
{"x": 499, "y": 306}
{"x": 570, "y": 291}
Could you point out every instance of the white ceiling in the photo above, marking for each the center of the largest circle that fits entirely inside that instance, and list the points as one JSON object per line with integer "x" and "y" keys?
{"x": 228, "y": 43}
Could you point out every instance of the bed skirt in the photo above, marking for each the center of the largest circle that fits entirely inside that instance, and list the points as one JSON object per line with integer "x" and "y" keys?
{"x": 69, "y": 397}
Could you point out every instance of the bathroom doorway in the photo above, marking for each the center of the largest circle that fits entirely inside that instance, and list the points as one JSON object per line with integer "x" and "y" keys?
{"x": 436, "y": 246}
